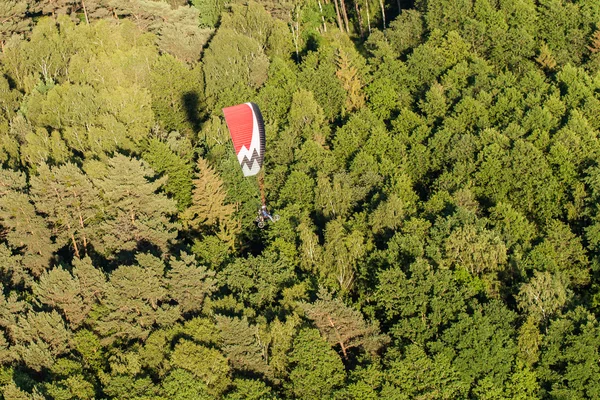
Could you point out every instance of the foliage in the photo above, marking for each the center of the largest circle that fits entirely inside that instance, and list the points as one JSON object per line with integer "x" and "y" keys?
{"x": 435, "y": 169}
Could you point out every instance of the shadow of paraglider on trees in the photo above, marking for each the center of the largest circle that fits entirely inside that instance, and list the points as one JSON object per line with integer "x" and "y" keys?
{"x": 191, "y": 103}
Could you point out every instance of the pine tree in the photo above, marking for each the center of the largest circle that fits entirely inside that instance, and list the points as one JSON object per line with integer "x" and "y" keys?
{"x": 39, "y": 338}
{"x": 70, "y": 202}
{"x": 13, "y": 392}
{"x": 136, "y": 301}
{"x": 190, "y": 284}
{"x": 11, "y": 310}
{"x": 242, "y": 345}
{"x": 54, "y": 7}
{"x": 134, "y": 214}
{"x": 343, "y": 325}
{"x": 73, "y": 294}
{"x": 24, "y": 229}
{"x": 178, "y": 170}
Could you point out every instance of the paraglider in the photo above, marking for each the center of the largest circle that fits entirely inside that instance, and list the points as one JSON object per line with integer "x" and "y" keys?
{"x": 247, "y": 130}
{"x": 263, "y": 215}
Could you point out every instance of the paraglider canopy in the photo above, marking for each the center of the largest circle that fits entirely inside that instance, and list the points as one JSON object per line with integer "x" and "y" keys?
{"x": 247, "y": 131}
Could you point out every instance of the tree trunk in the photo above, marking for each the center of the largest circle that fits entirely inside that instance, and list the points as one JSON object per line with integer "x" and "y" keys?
{"x": 322, "y": 16}
{"x": 360, "y": 22}
{"x": 382, "y": 12}
{"x": 345, "y": 15}
{"x": 337, "y": 13}
{"x": 87, "y": 20}
{"x": 337, "y": 333}
{"x": 368, "y": 15}
{"x": 74, "y": 241}
{"x": 295, "y": 27}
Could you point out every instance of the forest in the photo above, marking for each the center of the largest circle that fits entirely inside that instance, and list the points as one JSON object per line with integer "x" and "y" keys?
{"x": 436, "y": 167}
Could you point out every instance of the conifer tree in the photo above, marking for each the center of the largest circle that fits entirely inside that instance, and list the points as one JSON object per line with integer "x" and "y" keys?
{"x": 12, "y": 271}
{"x": 11, "y": 309}
{"x": 348, "y": 75}
{"x": 208, "y": 199}
{"x": 134, "y": 214}
{"x": 594, "y": 45}
{"x": 178, "y": 170}
{"x": 136, "y": 300}
{"x": 13, "y": 392}
{"x": 39, "y": 338}
{"x": 210, "y": 211}
{"x": 24, "y": 229}
{"x": 242, "y": 345}
{"x": 190, "y": 284}
{"x": 54, "y": 7}
{"x": 343, "y": 325}
{"x": 75, "y": 295}
{"x": 545, "y": 58}
{"x": 70, "y": 202}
